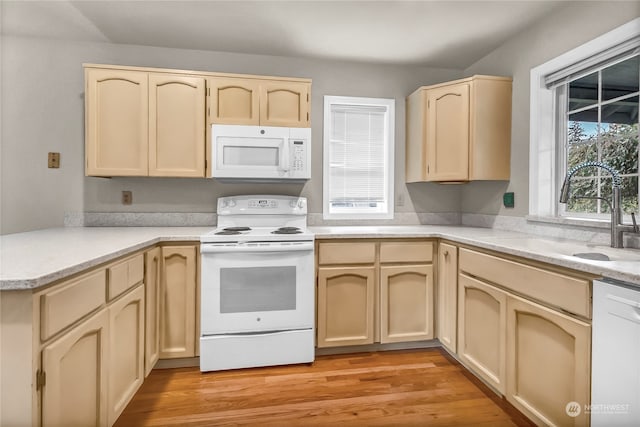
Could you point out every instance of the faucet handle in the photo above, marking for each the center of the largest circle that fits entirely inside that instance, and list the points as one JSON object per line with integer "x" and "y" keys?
{"x": 636, "y": 229}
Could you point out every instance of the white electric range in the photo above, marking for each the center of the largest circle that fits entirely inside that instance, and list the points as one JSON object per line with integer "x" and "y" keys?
{"x": 257, "y": 284}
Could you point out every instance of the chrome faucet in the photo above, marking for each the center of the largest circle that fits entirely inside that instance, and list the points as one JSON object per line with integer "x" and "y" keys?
{"x": 618, "y": 228}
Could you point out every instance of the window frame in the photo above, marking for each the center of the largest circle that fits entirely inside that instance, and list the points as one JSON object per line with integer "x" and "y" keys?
{"x": 359, "y": 213}
{"x": 545, "y": 161}
{"x": 561, "y": 118}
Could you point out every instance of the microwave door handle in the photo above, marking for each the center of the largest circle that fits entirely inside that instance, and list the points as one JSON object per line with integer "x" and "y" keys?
{"x": 284, "y": 157}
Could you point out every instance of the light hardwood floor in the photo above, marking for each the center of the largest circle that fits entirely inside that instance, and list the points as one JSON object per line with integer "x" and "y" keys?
{"x": 393, "y": 388}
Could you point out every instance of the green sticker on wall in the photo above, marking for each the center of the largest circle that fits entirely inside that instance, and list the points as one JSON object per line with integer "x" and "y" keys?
{"x": 508, "y": 200}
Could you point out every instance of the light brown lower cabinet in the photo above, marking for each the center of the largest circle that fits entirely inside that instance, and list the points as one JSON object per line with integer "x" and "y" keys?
{"x": 548, "y": 363}
{"x": 152, "y": 259}
{"x": 374, "y": 291}
{"x": 536, "y": 355}
{"x": 345, "y": 306}
{"x": 482, "y": 330}
{"x": 447, "y": 296}
{"x": 126, "y": 350}
{"x": 76, "y": 367}
{"x": 178, "y": 301}
{"x": 406, "y": 303}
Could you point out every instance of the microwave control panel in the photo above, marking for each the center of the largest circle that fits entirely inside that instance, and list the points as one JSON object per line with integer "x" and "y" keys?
{"x": 298, "y": 155}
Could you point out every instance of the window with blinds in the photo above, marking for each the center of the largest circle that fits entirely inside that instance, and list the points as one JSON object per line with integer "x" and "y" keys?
{"x": 358, "y": 157}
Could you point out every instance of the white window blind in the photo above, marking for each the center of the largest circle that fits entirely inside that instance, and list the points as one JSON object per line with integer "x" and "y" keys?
{"x": 590, "y": 64}
{"x": 358, "y": 157}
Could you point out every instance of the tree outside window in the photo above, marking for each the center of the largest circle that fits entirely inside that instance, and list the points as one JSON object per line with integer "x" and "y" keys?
{"x": 601, "y": 122}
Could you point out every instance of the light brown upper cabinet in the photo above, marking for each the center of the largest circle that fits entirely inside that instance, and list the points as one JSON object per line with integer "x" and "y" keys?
{"x": 117, "y": 117}
{"x": 459, "y": 131}
{"x": 176, "y": 125}
{"x": 144, "y": 124}
{"x": 264, "y": 102}
{"x": 234, "y": 101}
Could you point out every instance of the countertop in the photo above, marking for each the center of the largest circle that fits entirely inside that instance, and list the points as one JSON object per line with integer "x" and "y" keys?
{"x": 37, "y": 258}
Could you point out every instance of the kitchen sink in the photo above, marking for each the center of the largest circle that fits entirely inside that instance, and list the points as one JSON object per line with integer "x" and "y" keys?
{"x": 596, "y": 256}
{"x": 569, "y": 248}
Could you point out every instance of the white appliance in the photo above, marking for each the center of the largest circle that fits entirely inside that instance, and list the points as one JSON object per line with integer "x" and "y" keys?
{"x": 257, "y": 284}
{"x": 615, "y": 364}
{"x": 260, "y": 153}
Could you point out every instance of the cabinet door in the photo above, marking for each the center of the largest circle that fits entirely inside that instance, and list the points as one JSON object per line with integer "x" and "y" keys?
{"x": 482, "y": 329}
{"x": 284, "y": 103}
{"x": 234, "y": 101}
{"x": 177, "y": 302}
{"x": 345, "y": 306}
{"x": 448, "y": 133}
{"x": 176, "y": 125}
{"x": 406, "y": 303}
{"x": 447, "y": 279}
{"x": 75, "y": 365}
{"x": 116, "y": 115}
{"x": 152, "y": 308}
{"x": 126, "y": 350}
{"x": 548, "y": 364}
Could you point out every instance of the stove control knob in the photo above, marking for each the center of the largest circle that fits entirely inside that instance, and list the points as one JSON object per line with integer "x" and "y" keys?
{"x": 293, "y": 203}
{"x": 301, "y": 204}
{"x": 232, "y": 203}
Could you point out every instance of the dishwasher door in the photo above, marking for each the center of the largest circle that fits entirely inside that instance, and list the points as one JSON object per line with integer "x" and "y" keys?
{"x": 615, "y": 364}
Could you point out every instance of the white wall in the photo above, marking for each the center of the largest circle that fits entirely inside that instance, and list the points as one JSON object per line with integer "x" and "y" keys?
{"x": 563, "y": 30}
{"x": 42, "y": 111}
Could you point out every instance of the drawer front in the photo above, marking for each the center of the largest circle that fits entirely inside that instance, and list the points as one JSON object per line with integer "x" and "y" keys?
{"x": 406, "y": 252}
{"x": 347, "y": 253}
{"x": 68, "y": 303}
{"x": 565, "y": 292}
{"x": 125, "y": 275}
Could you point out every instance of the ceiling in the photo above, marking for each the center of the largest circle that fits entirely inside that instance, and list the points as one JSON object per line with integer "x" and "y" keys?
{"x": 447, "y": 34}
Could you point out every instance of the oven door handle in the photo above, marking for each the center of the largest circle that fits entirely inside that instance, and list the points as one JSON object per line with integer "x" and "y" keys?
{"x": 248, "y": 248}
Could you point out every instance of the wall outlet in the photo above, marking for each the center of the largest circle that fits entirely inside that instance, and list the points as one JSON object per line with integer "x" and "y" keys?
{"x": 54, "y": 160}
{"x": 127, "y": 197}
{"x": 400, "y": 200}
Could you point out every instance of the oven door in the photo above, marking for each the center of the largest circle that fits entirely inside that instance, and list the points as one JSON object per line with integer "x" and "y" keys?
{"x": 250, "y": 152}
{"x": 262, "y": 287}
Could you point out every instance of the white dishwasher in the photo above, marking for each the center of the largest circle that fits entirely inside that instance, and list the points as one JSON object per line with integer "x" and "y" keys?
{"x": 615, "y": 364}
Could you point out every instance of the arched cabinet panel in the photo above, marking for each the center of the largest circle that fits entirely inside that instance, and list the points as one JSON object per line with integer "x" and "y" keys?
{"x": 345, "y": 306}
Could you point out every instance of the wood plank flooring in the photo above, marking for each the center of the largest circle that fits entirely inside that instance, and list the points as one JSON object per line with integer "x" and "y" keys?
{"x": 392, "y": 388}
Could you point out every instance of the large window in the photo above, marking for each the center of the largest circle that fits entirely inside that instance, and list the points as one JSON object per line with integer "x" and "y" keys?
{"x": 598, "y": 121}
{"x": 358, "y": 157}
{"x": 584, "y": 107}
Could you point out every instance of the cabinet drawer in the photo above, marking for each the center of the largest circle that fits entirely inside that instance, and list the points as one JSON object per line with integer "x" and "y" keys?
{"x": 406, "y": 252}
{"x": 125, "y": 275}
{"x": 67, "y": 303}
{"x": 347, "y": 253}
{"x": 565, "y": 292}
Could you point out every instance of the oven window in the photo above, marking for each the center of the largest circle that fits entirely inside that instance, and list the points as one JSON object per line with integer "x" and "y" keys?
{"x": 237, "y": 155}
{"x": 248, "y": 289}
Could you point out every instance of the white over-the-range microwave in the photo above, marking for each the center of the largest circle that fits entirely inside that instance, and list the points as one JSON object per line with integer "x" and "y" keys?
{"x": 260, "y": 153}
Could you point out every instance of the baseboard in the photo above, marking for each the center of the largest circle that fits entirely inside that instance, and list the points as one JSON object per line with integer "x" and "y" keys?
{"x": 378, "y": 347}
